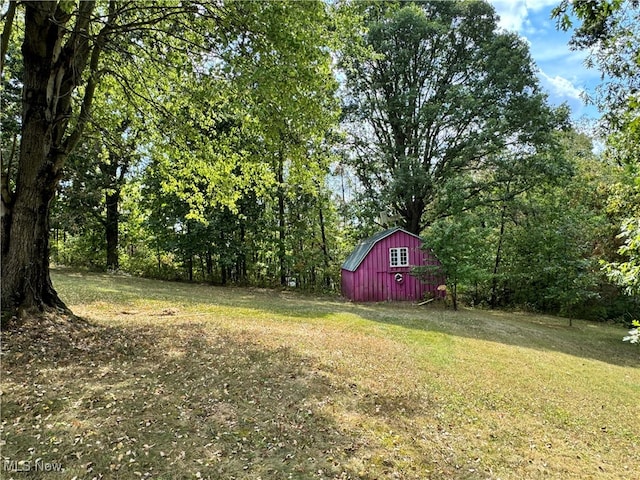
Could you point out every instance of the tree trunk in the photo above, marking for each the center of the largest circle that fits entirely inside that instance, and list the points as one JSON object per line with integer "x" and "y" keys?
{"x": 111, "y": 230}
{"x": 496, "y": 266}
{"x": 325, "y": 252}
{"x": 209, "y": 264}
{"x": 454, "y": 296}
{"x": 242, "y": 258}
{"x": 281, "y": 222}
{"x": 223, "y": 273}
{"x": 190, "y": 267}
{"x": 412, "y": 212}
{"x": 26, "y": 283}
{"x": 223, "y": 259}
{"x": 51, "y": 74}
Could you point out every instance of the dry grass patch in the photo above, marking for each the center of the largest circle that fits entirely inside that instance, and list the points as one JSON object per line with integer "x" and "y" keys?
{"x": 173, "y": 381}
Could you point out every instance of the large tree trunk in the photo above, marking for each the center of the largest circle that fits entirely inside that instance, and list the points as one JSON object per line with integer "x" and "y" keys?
{"x": 25, "y": 260}
{"x": 411, "y": 212}
{"x": 496, "y": 266}
{"x": 112, "y": 222}
{"x": 26, "y": 283}
{"x": 282, "y": 252}
{"x": 51, "y": 73}
{"x": 325, "y": 251}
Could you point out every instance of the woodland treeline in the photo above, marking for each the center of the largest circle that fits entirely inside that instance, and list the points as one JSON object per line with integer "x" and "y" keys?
{"x": 255, "y": 143}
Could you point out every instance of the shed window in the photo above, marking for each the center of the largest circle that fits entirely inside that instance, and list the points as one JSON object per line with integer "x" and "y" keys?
{"x": 399, "y": 257}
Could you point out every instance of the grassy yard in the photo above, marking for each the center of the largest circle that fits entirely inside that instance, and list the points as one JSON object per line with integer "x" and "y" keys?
{"x": 176, "y": 381}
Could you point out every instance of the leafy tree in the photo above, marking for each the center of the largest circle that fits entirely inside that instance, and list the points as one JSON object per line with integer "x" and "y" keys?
{"x": 536, "y": 237}
{"x": 62, "y": 46}
{"x": 634, "y": 334}
{"x": 433, "y": 91}
{"x": 550, "y": 264}
{"x": 293, "y": 108}
{"x": 610, "y": 29}
{"x": 627, "y": 272}
{"x": 249, "y": 155}
{"x": 97, "y": 171}
{"x": 69, "y": 48}
{"x": 460, "y": 243}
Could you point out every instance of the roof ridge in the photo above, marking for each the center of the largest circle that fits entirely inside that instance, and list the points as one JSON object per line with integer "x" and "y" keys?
{"x": 363, "y": 248}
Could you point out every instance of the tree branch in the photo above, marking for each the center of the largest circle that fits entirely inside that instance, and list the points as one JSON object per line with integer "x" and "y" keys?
{"x": 6, "y": 32}
{"x": 7, "y": 197}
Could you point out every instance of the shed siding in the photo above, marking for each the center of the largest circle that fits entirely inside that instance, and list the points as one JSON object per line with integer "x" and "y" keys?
{"x": 374, "y": 280}
{"x": 347, "y": 283}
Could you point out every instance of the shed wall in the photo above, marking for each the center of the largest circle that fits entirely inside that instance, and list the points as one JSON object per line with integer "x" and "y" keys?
{"x": 374, "y": 280}
{"x": 347, "y": 286}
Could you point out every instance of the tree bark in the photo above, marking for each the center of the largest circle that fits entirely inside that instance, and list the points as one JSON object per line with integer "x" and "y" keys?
{"x": 241, "y": 259}
{"x": 454, "y": 296}
{"x": 411, "y": 212}
{"x": 493, "y": 302}
{"x": 223, "y": 260}
{"x": 6, "y": 32}
{"x": 26, "y": 283}
{"x": 282, "y": 261}
{"x": 325, "y": 252}
{"x": 190, "y": 267}
{"x": 209, "y": 264}
{"x": 111, "y": 229}
{"x": 51, "y": 73}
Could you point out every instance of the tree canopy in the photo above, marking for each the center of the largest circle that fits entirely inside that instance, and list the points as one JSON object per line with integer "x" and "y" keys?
{"x": 434, "y": 92}
{"x": 610, "y": 29}
{"x": 256, "y": 143}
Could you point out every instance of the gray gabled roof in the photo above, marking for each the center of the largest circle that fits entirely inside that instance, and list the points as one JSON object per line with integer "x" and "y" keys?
{"x": 354, "y": 260}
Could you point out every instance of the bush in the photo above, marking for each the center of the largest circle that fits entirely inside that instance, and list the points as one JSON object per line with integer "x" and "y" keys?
{"x": 79, "y": 251}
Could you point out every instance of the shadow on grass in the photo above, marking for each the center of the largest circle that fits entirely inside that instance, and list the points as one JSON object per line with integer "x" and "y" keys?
{"x": 189, "y": 402}
{"x": 589, "y": 340}
{"x": 584, "y": 339}
{"x": 171, "y": 400}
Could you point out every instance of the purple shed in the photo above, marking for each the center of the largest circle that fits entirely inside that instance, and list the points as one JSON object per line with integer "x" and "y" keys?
{"x": 379, "y": 269}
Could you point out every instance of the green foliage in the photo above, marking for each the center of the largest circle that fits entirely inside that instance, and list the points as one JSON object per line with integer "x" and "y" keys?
{"x": 611, "y": 30}
{"x": 549, "y": 258}
{"x": 434, "y": 91}
{"x": 218, "y": 140}
{"x": 596, "y": 19}
{"x": 461, "y": 245}
{"x": 252, "y": 154}
{"x": 213, "y": 143}
{"x": 85, "y": 250}
{"x": 534, "y": 237}
{"x": 627, "y": 273}
{"x": 98, "y": 170}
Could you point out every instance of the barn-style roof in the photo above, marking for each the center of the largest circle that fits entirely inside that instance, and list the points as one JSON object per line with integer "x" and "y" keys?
{"x": 354, "y": 260}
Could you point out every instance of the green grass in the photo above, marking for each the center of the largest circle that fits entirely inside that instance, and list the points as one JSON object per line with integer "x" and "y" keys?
{"x": 178, "y": 381}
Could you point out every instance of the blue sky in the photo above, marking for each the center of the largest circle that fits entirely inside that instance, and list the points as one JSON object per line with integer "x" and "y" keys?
{"x": 561, "y": 71}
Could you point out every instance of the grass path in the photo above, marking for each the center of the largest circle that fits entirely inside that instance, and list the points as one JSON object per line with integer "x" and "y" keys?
{"x": 177, "y": 381}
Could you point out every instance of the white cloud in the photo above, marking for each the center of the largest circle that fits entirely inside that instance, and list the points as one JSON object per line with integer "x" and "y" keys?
{"x": 537, "y": 5}
{"x": 514, "y": 14}
{"x": 561, "y": 71}
{"x": 562, "y": 87}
